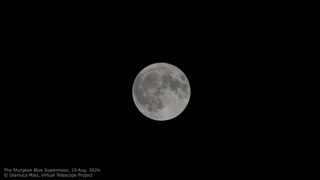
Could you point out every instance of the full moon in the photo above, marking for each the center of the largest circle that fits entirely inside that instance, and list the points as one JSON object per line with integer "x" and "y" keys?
{"x": 161, "y": 91}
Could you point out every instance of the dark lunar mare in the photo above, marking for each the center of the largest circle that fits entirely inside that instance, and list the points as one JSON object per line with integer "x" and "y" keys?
{"x": 138, "y": 92}
{"x": 150, "y": 81}
{"x": 174, "y": 84}
{"x": 153, "y": 102}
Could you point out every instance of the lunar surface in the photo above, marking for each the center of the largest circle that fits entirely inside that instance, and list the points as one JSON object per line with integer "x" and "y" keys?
{"x": 161, "y": 91}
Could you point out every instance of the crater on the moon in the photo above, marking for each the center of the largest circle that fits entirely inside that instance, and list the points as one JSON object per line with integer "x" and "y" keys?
{"x": 161, "y": 91}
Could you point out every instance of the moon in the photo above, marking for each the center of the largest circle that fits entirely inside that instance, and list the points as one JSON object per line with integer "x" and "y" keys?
{"x": 161, "y": 91}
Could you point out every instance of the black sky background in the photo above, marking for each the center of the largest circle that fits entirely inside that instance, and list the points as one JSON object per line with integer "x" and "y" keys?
{"x": 72, "y": 103}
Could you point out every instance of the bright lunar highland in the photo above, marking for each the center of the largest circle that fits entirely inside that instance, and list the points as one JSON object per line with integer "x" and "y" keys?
{"x": 161, "y": 91}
